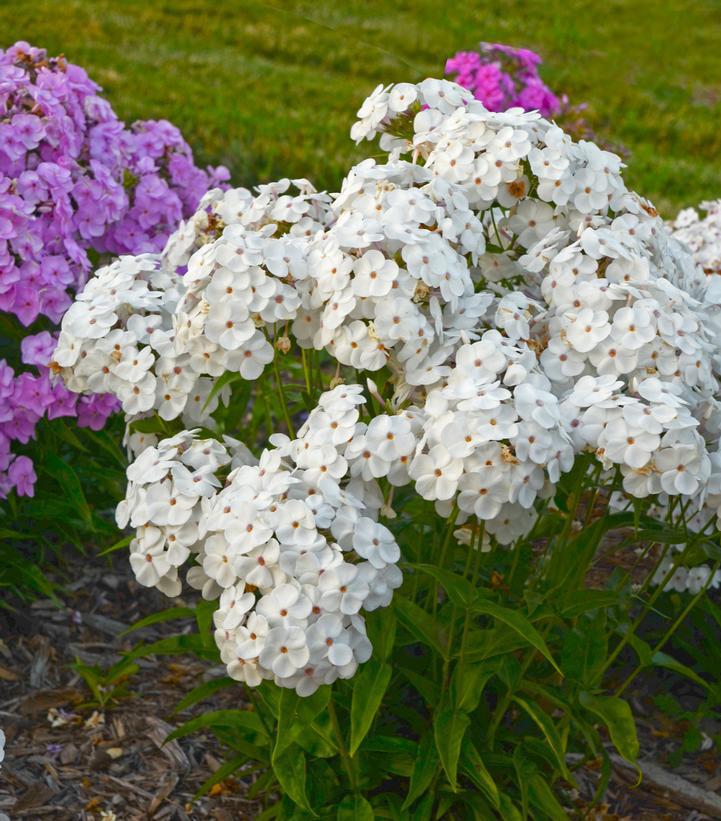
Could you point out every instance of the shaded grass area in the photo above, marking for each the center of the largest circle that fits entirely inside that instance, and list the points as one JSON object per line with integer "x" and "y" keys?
{"x": 271, "y": 89}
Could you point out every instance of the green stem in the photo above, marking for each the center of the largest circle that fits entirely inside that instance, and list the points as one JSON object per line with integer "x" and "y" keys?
{"x": 495, "y": 228}
{"x": 514, "y": 563}
{"x": 452, "y": 628}
{"x": 434, "y": 589}
{"x": 252, "y": 695}
{"x": 672, "y": 629}
{"x": 639, "y": 560}
{"x": 442, "y": 559}
{"x": 504, "y": 703}
{"x": 281, "y": 394}
{"x": 474, "y": 581}
{"x": 594, "y": 495}
{"x": 641, "y": 616}
{"x": 348, "y": 763}
{"x": 306, "y": 372}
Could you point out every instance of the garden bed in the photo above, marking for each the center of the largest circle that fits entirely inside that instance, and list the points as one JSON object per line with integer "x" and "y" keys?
{"x": 114, "y": 761}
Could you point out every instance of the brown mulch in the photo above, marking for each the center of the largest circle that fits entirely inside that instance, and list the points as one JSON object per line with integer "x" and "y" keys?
{"x": 688, "y": 791}
{"x": 67, "y": 758}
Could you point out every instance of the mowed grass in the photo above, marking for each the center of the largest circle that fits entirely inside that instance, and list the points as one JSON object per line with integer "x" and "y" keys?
{"x": 271, "y": 89}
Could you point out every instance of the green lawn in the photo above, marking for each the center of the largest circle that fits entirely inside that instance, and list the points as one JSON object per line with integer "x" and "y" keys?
{"x": 271, "y": 89}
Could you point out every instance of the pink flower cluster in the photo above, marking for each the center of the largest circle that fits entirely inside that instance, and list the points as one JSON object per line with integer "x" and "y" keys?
{"x": 504, "y": 77}
{"x": 74, "y": 181}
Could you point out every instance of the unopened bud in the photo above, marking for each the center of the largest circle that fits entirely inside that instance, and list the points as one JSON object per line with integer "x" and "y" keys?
{"x": 282, "y": 344}
{"x": 374, "y": 392}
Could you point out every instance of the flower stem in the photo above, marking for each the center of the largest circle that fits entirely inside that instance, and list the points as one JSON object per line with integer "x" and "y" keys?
{"x": 283, "y": 403}
{"x": 306, "y": 372}
{"x": 641, "y": 616}
{"x": 672, "y": 629}
{"x": 347, "y": 760}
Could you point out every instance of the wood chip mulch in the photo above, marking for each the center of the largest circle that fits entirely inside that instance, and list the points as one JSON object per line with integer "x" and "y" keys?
{"x": 69, "y": 759}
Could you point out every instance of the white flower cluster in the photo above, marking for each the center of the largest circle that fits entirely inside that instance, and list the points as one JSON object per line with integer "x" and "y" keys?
{"x": 527, "y": 308}
{"x": 117, "y": 338}
{"x": 158, "y": 340}
{"x": 701, "y": 235}
{"x": 290, "y": 544}
{"x": 686, "y": 579}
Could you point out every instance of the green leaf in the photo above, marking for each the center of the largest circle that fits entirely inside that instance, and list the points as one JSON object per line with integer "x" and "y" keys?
{"x": 152, "y": 424}
{"x": 473, "y": 766}
{"x": 169, "y": 614}
{"x": 91, "y": 676}
{"x": 290, "y": 771}
{"x": 421, "y": 625}
{"x": 524, "y": 770}
{"x": 584, "y": 651}
{"x": 203, "y": 691}
{"x": 234, "y": 739}
{"x": 119, "y": 545}
{"x": 570, "y": 559}
{"x": 121, "y": 670}
{"x": 69, "y": 436}
{"x": 430, "y": 691}
{"x": 295, "y": 714}
{"x": 203, "y": 613}
{"x": 389, "y": 744}
{"x": 467, "y": 685}
{"x": 542, "y": 796}
{"x": 174, "y": 646}
{"x": 460, "y": 591}
{"x": 12, "y": 534}
{"x": 381, "y": 626}
{"x": 509, "y": 811}
{"x": 18, "y": 572}
{"x": 109, "y": 443}
{"x": 492, "y": 643}
{"x": 519, "y": 623}
{"x": 355, "y": 808}
{"x": 616, "y": 715}
{"x": 398, "y": 755}
{"x": 424, "y": 770}
{"x": 449, "y": 727}
{"x": 423, "y": 810}
{"x": 578, "y": 602}
{"x": 287, "y": 718}
{"x": 238, "y": 719}
{"x": 546, "y": 725}
{"x": 477, "y": 806}
{"x": 227, "y": 378}
{"x": 368, "y": 691}
{"x": 539, "y": 750}
{"x": 220, "y": 774}
{"x": 555, "y": 695}
{"x": 68, "y": 480}
{"x": 318, "y": 740}
{"x": 270, "y": 696}
{"x": 660, "y": 659}
{"x": 642, "y": 648}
